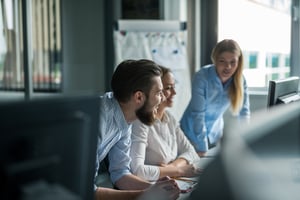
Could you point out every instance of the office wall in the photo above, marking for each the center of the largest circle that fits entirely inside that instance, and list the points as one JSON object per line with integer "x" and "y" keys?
{"x": 83, "y": 46}
{"x": 85, "y": 54}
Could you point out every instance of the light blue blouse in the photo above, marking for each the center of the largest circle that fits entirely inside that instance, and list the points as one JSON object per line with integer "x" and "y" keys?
{"x": 203, "y": 117}
{"x": 114, "y": 138}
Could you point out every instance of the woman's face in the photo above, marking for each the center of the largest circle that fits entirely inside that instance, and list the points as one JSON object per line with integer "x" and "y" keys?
{"x": 168, "y": 82}
{"x": 226, "y": 65}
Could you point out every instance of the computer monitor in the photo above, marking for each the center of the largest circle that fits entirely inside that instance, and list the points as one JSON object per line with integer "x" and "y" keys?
{"x": 270, "y": 158}
{"x": 48, "y": 148}
{"x": 258, "y": 160}
{"x": 274, "y": 132}
{"x": 283, "y": 91}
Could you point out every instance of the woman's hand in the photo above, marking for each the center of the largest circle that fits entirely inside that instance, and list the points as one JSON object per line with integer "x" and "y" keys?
{"x": 186, "y": 170}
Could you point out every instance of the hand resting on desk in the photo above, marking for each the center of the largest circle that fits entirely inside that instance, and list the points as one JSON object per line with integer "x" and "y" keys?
{"x": 185, "y": 170}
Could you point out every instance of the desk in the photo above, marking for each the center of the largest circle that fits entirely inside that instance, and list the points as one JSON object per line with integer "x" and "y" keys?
{"x": 202, "y": 164}
{"x": 103, "y": 179}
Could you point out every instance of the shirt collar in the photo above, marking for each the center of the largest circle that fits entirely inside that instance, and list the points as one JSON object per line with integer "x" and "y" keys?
{"x": 118, "y": 113}
{"x": 214, "y": 72}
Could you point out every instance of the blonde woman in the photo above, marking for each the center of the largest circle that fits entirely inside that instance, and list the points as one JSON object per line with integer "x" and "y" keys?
{"x": 215, "y": 88}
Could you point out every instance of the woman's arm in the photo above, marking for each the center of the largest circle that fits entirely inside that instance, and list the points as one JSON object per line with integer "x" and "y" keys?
{"x": 198, "y": 109}
{"x": 179, "y": 168}
{"x": 139, "y": 141}
{"x": 186, "y": 154}
{"x": 185, "y": 148}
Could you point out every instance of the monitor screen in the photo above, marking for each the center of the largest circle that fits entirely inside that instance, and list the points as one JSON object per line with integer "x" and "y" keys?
{"x": 275, "y": 132}
{"x": 271, "y": 154}
{"x": 259, "y": 159}
{"x": 283, "y": 91}
{"x": 48, "y": 148}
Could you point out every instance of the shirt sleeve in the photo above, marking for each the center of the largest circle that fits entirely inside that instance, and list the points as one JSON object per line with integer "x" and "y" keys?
{"x": 198, "y": 108}
{"x": 139, "y": 140}
{"x": 119, "y": 159}
{"x": 97, "y": 163}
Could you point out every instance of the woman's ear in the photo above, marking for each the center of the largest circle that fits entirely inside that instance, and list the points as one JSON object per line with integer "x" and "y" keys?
{"x": 139, "y": 97}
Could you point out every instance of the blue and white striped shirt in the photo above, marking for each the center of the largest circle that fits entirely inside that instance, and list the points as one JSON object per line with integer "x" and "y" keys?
{"x": 114, "y": 138}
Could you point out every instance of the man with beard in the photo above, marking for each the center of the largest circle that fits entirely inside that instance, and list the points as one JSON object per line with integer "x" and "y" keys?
{"x": 136, "y": 93}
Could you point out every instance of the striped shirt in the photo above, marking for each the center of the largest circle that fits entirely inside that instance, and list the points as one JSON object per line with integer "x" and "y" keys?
{"x": 114, "y": 138}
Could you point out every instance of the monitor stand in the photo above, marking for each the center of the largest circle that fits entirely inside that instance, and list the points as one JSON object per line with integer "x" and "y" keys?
{"x": 286, "y": 99}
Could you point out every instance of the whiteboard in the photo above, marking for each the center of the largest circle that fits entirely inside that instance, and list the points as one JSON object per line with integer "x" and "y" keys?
{"x": 167, "y": 47}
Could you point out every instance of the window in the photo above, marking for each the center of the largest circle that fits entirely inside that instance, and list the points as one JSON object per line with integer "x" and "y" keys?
{"x": 277, "y": 66}
{"x": 263, "y": 30}
{"x": 287, "y": 60}
{"x": 44, "y": 45}
{"x": 250, "y": 59}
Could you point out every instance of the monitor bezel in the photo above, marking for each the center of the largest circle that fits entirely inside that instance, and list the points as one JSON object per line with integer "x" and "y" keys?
{"x": 80, "y": 111}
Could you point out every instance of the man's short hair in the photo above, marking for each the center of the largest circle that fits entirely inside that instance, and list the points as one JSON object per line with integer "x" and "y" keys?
{"x": 131, "y": 76}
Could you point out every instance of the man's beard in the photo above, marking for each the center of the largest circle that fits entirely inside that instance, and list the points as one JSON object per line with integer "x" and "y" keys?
{"x": 145, "y": 116}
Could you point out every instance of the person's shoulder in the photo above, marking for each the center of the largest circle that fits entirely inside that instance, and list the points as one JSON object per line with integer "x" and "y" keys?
{"x": 169, "y": 114}
{"x": 139, "y": 130}
{"x": 208, "y": 67}
{"x": 170, "y": 117}
{"x": 204, "y": 73}
{"x": 107, "y": 101}
{"x": 205, "y": 69}
{"x": 138, "y": 125}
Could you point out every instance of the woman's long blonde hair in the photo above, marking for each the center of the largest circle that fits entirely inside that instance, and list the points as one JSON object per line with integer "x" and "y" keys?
{"x": 236, "y": 89}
